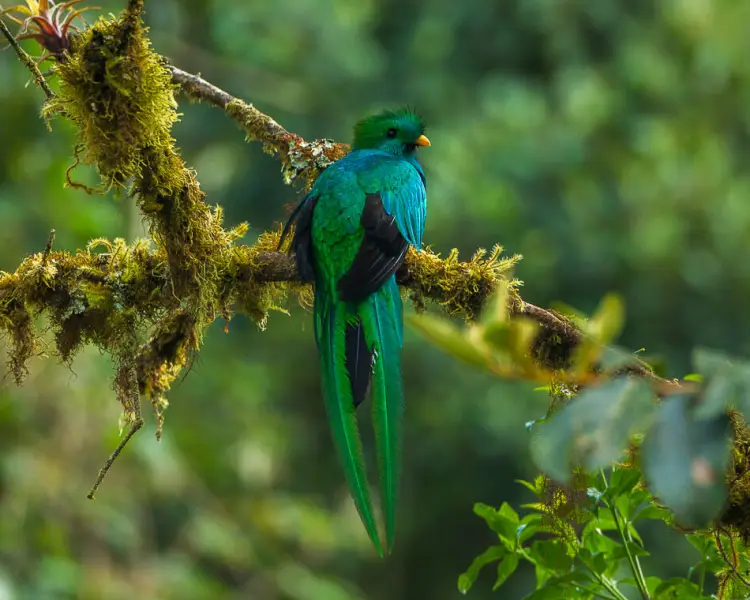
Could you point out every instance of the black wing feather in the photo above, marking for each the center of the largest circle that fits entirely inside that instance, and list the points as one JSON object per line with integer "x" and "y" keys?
{"x": 379, "y": 256}
{"x": 302, "y": 240}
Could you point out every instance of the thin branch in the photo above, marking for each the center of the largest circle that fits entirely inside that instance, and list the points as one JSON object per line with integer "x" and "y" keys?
{"x": 136, "y": 425}
{"x": 197, "y": 88}
{"x": 48, "y": 247}
{"x": 27, "y": 60}
{"x": 127, "y": 387}
{"x": 300, "y": 159}
{"x": 732, "y": 564}
{"x": 258, "y": 125}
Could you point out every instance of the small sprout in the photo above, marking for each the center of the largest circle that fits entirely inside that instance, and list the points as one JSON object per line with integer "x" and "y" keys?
{"x": 53, "y": 21}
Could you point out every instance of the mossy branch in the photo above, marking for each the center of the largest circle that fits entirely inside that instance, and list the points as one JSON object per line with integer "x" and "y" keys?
{"x": 148, "y": 303}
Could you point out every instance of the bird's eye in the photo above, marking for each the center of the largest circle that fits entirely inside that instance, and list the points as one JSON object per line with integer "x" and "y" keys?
{"x": 391, "y": 133}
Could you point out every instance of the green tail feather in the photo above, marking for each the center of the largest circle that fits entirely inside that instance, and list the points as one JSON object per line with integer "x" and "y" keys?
{"x": 381, "y": 317}
{"x": 330, "y": 331}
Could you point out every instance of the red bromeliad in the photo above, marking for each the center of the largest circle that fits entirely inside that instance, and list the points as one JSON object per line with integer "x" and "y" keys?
{"x": 53, "y": 21}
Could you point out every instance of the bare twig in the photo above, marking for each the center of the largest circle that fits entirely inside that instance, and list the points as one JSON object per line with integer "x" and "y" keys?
{"x": 27, "y": 60}
{"x": 134, "y": 427}
{"x": 128, "y": 382}
{"x": 48, "y": 247}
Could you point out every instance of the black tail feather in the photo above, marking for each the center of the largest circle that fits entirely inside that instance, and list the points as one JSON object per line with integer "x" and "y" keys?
{"x": 358, "y": 362}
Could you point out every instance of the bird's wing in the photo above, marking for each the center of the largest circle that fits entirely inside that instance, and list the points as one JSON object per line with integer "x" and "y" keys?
{"x": 301, "y": 244}
{"x": 392, "y": 219}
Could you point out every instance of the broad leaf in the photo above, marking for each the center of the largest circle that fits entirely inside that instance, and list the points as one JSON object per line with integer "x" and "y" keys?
{"x": 594, "y": 429}
{"x": 685, "y": 460}
{"x": 451, "y": 339}
{"x": 467, "y": 579}
{"x": 505, "y": 569}
{"x": 504, "y": 526}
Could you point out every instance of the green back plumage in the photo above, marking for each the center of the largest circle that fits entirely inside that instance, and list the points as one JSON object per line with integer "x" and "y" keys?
{"x": 351, "y": 235}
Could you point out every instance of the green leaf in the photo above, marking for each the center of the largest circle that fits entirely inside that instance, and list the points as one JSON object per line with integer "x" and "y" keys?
{"x": 727, "y": 383}
{"x": 703, "y": 543}
{"x": 446, "y": 336}
{"x": 613, "y": 358}
{"x": 652, "y": 512}
{"x": 598, "y": 542}
{"x": 622, "y": 504}
{"x": 505, "y": 569}
{"x": 606, "y": 323}
{"x": 551, "y": 555}
{"x": 502, "y": 525}
{"x": 549, "y": 593}
{"x": 621, "y": 552}
{"x": 506, "y": 510}
{"x": 622, "y": 481}
{"x": 530, "y": 525}
{"x": 594, "y": 429}
{"x": 579, "y": 576}
{"x": 537, "y": 488}
{"x": 651, "y": 583}
{"x": 497, "y": 335}
{"x": 677, "y": 589}
{"x": 685, "y": 461}
{"x": 467, "y": 579}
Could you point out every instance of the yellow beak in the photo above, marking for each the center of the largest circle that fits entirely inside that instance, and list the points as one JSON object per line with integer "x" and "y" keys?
{"x": 422, "y": 141}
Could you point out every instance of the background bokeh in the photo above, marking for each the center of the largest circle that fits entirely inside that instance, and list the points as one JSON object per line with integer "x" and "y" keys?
{"x": 605, "y": 141}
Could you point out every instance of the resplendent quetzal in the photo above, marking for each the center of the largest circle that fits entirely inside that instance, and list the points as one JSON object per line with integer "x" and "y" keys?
{"x": 352, "y": 231}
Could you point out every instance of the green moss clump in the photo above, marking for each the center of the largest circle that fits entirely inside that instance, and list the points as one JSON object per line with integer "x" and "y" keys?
{"x": 120, "y": 96}
{"x": 737, "y": 513}
{"x": 15, "y": 319}
{"x": 162, "y": 358}
{"x": 460, "y": 287}
{"x": 256, "y": 298}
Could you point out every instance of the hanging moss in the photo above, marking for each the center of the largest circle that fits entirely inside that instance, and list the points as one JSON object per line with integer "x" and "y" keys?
{"x": 737, "y": 513}
{"x": 16, "y": 321}
{"x": 120, "y": 96}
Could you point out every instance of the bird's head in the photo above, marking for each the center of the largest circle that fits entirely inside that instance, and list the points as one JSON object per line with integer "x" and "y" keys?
{"x": 398, "y": 132}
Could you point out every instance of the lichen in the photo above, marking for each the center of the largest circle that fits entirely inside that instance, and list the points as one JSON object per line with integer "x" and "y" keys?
{"x": 300, "y": 160}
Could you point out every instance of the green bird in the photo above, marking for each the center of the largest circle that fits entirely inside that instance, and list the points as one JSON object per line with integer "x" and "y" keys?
{"x": 351, "y": 234}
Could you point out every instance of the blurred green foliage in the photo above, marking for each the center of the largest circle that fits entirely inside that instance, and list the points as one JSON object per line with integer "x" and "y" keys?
{"x": 602, "y": 140}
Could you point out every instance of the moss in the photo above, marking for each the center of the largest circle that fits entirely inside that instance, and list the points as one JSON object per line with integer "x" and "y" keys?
{"x": 120, "y": 96}
{"x": 737, "y": 513}
{"x": 256, "y": 298}
{"x": 18, "y": 323}
{"x": 160, "y": 361}
{"x": 460, "y": 287}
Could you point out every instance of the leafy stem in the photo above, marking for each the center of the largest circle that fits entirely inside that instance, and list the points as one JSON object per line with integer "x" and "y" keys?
{"x": 608, "y": 584}
{"x": 627, "y": 540}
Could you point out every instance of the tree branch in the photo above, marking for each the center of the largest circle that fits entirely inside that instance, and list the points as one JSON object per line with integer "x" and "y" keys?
{"x": 149, "y": 303}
